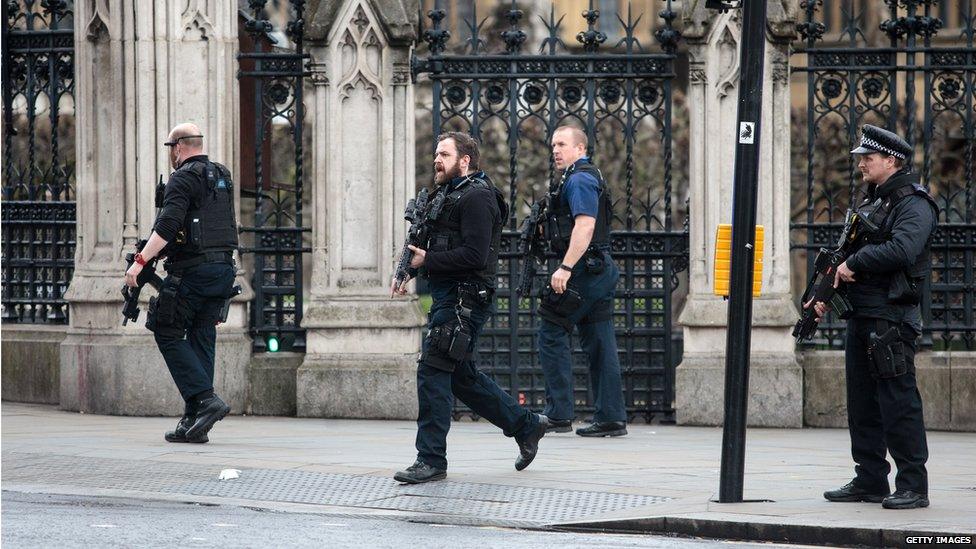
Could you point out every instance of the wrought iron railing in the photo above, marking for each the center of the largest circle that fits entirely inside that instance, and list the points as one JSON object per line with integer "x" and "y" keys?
{"x": 621, "y": 94}
{"x": 897, "y": 77}
{"x": 38, "y": 210}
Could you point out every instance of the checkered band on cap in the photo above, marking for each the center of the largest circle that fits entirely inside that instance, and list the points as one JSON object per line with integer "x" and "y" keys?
{"x": 869, "y": 143}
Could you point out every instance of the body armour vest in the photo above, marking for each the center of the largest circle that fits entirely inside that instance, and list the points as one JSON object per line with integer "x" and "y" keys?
{"x": 209, "y": 225}
{"x": 875, "y": 222}
{"x": 445, "y": 231}
{"x": 560, "y": 221}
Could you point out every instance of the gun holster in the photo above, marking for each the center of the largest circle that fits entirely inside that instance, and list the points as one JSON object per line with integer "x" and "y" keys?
{"x": 448, "y": 344}
{"x": 225, "y": 308}
{"x": 557, "y": 308}
{"x": 887, "y": 352}
{"x": 594, "y": 262}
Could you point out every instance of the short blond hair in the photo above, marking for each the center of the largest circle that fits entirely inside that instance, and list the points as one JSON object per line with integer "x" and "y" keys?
{"x": 579, "y": 136}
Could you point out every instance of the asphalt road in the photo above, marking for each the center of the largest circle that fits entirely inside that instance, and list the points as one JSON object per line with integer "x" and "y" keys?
{"x": 42, "y": 520}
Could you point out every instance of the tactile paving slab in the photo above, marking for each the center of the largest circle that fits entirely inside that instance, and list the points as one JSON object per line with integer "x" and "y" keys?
{"x": 489, "y": 503}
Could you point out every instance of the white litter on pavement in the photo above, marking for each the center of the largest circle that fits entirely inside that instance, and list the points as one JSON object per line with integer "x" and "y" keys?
{"x": 228, "y": 474}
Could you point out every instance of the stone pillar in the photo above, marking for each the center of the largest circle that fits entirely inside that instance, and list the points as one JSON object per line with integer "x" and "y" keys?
{"x": 141, "y": 68}
{"x": 776, "y": 378}
{"x": 362, "y": 346}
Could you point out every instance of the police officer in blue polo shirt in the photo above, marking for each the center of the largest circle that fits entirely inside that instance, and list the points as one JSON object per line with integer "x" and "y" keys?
{"x": 580, "y": 291}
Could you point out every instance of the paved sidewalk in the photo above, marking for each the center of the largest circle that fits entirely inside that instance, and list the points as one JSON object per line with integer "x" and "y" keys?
{"x": 658, "y": 478}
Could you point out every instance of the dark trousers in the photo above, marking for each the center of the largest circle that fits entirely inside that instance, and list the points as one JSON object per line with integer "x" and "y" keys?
{"x": 884, "y": 415}
{"x": 188, "y": 346}
{"x": 599, "y": 343}
{"x": 436, "y": 388}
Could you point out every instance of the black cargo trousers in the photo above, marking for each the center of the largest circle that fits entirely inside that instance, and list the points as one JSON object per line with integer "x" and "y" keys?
{"x": 184, "y": 320}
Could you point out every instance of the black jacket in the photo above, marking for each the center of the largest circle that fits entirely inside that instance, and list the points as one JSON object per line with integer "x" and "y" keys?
{"x": 910, "y": 223}
{"x": 479, "y": 216}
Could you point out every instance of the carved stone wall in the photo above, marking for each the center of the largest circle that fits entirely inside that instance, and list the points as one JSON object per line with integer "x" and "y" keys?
{"x": 776, "y": 380}
{"x": 361, "y": 345}
{"x": 142, "y": 68}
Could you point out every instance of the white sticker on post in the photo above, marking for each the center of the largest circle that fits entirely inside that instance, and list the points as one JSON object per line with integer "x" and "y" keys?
{"x": 747, "y": 133}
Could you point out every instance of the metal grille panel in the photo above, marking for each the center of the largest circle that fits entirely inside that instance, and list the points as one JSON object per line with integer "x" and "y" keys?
{"x": 512, "y": 101}
{"x": 459, "y": 501}
{"x": 272, "y": 63}
{"x": 38, "y": 162}
{"x": 915, "y": 75}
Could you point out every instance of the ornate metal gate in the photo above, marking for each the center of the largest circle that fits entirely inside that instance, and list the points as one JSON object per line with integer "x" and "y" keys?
{"x": 512, "y": 101}
{"x": 272, "y": 68}
{"x": 914, "y": 73}
{"x": 38, "y": 160}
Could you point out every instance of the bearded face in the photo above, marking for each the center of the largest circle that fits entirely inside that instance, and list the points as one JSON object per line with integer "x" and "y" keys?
{"x": 447, "y": 165}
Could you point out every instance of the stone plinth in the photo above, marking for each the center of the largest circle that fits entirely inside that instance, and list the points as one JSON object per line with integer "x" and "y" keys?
{"x": 776, "y": 380}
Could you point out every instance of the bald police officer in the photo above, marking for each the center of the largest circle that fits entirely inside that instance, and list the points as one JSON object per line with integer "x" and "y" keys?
{"x": 197, "y": 232}
{"x": 884, "y": 275}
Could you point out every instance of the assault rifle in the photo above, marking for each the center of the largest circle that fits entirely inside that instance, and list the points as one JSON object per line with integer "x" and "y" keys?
{"x": 531, "y": 248}
{"x": 821, "y": 286}
{"x": 130, "y": 306}
{"x": 420, "y": 212}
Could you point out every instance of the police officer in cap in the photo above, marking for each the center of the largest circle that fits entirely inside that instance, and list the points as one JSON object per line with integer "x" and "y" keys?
{"x": 580, "y": 292}
{"x": 884, "y": 275}
{"x": 460, "y": 260}
{"x": 197, "y": 233}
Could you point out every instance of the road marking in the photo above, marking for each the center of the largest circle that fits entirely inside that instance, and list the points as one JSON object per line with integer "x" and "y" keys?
{"x": 103, "y": 526}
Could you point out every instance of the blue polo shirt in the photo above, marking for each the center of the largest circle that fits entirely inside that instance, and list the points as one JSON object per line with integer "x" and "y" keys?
{"x": 582, "y": 192}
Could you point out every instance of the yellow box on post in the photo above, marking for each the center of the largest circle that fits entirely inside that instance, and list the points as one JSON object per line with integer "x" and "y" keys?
{"x": 723, "y": 260}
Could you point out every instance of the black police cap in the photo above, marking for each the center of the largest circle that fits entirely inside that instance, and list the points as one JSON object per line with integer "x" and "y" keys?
{"x": 880, "y": 140}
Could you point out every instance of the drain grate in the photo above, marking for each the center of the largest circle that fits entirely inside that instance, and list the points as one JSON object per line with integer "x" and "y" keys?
{"x": 502, "y": 504}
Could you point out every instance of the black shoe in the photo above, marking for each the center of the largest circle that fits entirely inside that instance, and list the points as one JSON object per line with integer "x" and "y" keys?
{"x": 905, "y": 499}
{"x": 850, "y": 492}
{"x": 420, "y": 472}
{"x": 209, "y": 411}
{"x": 179, "y": 434}
{"x": 559, "y": 426}
{"x": 529, "y": 446}
{"x": 604, "y": 429}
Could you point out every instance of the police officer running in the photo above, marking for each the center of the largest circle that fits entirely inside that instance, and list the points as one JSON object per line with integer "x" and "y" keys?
{"x": 580, "y": 292}
{"x": 884, "y": 275}
{"x": 197, "y": 232}
{"x": 460, "y": 261}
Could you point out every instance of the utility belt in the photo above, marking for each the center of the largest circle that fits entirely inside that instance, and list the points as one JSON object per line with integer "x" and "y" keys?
{"x": 169, "y": 314}
{"x": 450, "y": 343}
{"x": 199, "y": 259}
{"x": 888, "y": 351}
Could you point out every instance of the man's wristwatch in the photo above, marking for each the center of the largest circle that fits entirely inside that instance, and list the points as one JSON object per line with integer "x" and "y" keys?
{"x": 140, "y": 260}
{"x": 565, "y": 267}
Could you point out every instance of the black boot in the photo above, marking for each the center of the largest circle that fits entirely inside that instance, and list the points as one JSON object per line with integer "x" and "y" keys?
{"x": 905, "y": 499}
{"x": 209, "y": 411}
{"x": 420, "y": 472}
{"x": 559, "y": 426}
{"x": 604, "y": 429}
{"x": 851, "y": 492}
{"x": 179, "y": 434}
{"x": 529, "y": 446}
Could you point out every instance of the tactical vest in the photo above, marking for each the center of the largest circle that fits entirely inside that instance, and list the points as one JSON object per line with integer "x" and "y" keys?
{"x": 209, "y": 225}
{"x": 560, "y": 221}
{"x": 445, "y": 230}
{"x": 875, "y": 225}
